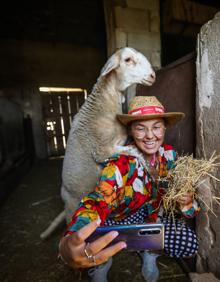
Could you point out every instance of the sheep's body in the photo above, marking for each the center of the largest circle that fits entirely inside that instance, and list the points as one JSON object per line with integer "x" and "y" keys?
{"x": 95, "y": 132}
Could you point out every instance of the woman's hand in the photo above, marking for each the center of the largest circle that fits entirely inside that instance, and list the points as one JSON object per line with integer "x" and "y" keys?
{"x": 185, "y": 199}
{"x": 76, "y": 253}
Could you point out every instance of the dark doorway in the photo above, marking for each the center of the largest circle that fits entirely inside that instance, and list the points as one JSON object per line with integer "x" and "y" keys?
{"x": 181, "y": 22}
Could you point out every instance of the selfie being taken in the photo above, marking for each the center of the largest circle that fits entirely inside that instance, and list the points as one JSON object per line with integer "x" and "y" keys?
{"x": 109, "y": 141}
{"x": 129, "y": 192}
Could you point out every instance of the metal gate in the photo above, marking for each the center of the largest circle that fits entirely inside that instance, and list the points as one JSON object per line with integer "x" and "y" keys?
{"x": 59, "y": 108}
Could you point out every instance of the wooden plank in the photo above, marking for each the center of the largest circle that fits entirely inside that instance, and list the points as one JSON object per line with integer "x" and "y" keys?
{"x": 192, "y": 12}
{"x": 66, "y": 121}
{"x": 185, "y": 17}
{"x": 58, "y": 131}
{"x": 55, "y": 101}
{"x": 56, "y": 106}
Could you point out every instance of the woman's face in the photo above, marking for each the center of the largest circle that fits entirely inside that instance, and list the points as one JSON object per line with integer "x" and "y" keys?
{"x": 148, "y": 135}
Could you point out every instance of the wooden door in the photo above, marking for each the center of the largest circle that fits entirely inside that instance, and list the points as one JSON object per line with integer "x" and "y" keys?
{"x": 59, "y": 109}
{"x": 175, "y": 87}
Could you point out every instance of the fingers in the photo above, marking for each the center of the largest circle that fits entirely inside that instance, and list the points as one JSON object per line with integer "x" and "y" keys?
{"x": 102, "y": 242}
{"x": 102, "y": 253}
{"x": 74, "y": 254}
{"x": 185, "y": 198}
{"x": 78, "y": 254}
{"x": 100, "y": 257}
{"x": 99, "y": 249}
{"x": 78, "y": 258}
{"x": 81, "y": 235}
{"x": 105, "y": 254}
{"x": 71, "y": 247}
{"x": 65, "y": 251}
{"x": 188, "y": 194}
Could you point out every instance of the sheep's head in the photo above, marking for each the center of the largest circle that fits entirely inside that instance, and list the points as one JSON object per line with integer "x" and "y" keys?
{"x": 130, "y": 67}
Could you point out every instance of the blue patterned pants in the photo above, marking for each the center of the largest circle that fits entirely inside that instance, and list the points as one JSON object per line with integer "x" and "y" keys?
{"x": 179, "y": 241}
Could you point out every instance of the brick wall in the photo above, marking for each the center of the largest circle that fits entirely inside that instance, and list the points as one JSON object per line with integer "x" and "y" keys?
{"x": 134, "y": 23}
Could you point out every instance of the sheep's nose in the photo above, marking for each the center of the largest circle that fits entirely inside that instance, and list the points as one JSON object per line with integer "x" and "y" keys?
{"x": 153, "y": 75}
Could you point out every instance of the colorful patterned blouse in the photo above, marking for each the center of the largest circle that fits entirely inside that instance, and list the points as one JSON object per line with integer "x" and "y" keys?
{"x": 125, "y": 186}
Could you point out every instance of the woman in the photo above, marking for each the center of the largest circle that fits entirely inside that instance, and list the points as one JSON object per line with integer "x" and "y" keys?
{"x": 130, "y": 191}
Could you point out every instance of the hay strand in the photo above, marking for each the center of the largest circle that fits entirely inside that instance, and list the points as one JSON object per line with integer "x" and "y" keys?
{"x": 186, "y": 176}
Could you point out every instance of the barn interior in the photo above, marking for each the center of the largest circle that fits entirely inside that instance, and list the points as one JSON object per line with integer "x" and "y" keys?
{"x": 51, "y": 54}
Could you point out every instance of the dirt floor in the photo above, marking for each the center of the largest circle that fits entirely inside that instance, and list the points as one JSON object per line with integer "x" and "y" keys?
{"x": 24, "y": 257}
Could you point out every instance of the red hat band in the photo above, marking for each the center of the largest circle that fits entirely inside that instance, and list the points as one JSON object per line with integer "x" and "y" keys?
{"x": 147, "y": 110}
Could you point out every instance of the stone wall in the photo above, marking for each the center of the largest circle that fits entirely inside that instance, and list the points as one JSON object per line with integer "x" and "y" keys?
{"x": 135, "y": 24}
{"x": 208, "y": 136}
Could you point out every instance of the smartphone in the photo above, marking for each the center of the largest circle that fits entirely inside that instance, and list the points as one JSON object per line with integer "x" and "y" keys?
{"x": 149, "y": 236}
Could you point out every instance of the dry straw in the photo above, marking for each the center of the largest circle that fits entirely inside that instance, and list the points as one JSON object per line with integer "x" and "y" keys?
{"x": 186, "y": 176}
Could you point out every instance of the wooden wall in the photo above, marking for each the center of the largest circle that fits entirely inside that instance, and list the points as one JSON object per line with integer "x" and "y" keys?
{"x": 175, "y": 88}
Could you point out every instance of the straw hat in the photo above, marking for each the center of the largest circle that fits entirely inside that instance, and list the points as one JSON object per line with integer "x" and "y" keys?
{"x": 148, "y": 107}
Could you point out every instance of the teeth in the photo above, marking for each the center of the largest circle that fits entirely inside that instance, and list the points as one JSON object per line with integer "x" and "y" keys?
{"x": 149, "y": 143}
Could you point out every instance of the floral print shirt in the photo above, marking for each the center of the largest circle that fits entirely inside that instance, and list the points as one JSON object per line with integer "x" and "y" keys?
{"x": 125, "y": 186}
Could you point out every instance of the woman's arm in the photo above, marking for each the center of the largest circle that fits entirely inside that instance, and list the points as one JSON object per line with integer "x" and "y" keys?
{"x": 76, "y": 253}
{"x": 93, "y": 210}
{"x": 100, "y": 203}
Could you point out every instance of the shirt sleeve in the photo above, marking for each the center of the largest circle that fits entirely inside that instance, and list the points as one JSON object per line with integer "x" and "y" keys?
{"x": 99, "y": 203}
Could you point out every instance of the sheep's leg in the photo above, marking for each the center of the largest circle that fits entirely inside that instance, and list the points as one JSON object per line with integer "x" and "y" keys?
{"x": 53, "y": 226}
{"x": 65, "y": 214}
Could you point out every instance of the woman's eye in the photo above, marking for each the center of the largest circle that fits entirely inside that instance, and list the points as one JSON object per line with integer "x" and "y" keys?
{"x": 140, "y": 129}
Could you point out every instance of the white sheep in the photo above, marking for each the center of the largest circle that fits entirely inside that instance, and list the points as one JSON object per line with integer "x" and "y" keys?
{"x": 95, "y": 132}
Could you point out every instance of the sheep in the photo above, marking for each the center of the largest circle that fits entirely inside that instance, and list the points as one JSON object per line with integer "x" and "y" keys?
{"x": 95, "y": 133}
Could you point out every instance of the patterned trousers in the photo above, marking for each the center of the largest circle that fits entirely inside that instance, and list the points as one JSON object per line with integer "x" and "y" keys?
{"x": 179, "y": 239}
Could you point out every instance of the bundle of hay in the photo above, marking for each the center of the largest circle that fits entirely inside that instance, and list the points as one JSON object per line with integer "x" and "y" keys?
{"x": 186, "y": 176}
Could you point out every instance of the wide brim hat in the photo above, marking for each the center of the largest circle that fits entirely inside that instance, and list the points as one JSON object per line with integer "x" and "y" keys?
{"x": 146, "y": 108}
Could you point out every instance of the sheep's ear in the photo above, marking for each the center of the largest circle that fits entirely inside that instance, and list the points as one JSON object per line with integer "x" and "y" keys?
{"x": 111, "y": 64}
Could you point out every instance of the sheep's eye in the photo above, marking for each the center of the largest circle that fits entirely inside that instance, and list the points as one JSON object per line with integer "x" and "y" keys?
{"x": 127, "y": 60}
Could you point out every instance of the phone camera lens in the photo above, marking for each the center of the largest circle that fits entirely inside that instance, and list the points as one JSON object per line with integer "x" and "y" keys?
{"x": 149, "y": 232}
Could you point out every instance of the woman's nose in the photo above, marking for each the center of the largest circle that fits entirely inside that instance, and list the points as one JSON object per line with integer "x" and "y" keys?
{"x": 149, "y": 133}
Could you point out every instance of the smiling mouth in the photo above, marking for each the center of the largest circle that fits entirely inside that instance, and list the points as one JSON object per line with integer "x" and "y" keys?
{"x": 150, "y": 143}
